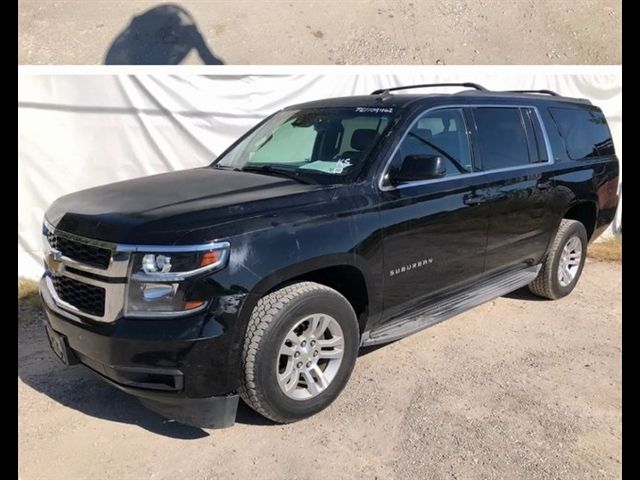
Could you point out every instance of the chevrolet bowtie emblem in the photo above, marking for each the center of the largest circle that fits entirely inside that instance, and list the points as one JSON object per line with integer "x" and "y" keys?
{"x": 54, "y": 263}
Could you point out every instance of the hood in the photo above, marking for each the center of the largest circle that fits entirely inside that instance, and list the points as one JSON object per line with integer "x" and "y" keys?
{"x": 163, "y": 209}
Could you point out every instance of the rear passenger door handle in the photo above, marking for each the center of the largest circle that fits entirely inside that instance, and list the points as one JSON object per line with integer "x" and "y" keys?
{"x": 544, "y": 185}
{"x": 474, "y": 199}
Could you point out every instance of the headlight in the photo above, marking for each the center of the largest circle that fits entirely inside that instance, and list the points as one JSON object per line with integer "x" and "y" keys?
{"x": 159, "y": 280}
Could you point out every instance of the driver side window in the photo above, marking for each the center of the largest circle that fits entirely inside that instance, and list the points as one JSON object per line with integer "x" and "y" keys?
{"x": 441, "y": 132}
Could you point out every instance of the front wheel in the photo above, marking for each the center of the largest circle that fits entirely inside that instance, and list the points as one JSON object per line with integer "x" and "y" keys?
{"x": 300, "y": 348}
{"x": 563, "y": 263}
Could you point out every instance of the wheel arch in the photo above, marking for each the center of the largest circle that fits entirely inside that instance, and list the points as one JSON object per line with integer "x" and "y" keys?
{"x": 585, "y": 212}
{"x": 340, "y": 273}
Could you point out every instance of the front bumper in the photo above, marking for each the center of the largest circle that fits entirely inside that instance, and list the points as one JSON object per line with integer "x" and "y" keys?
{"x": 175, "y": 366}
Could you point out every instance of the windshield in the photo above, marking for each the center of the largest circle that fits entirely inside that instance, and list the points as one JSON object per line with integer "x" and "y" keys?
{"x": 327, "y": 145}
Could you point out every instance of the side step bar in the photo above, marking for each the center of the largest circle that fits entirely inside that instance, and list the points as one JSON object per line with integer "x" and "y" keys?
{"x": 453, "y": 305}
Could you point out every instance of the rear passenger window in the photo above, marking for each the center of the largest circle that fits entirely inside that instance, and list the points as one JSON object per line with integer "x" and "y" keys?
{"x": 502, "y": 139}
{"x": 585, "y": 132}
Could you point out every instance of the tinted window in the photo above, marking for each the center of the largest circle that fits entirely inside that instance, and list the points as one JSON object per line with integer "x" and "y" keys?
{"x": 501, "y": 137}
{"x": 442, "y": 133}
{"x": 585, "y": 132}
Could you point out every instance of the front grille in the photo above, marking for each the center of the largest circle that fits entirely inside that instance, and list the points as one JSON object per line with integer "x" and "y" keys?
{"x": 80, "y": 252}
{"x": 86, "y": 298}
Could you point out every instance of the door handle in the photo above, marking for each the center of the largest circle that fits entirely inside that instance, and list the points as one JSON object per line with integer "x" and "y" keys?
{"x": 544, "y": 185}
{"x": 474, "y": 199}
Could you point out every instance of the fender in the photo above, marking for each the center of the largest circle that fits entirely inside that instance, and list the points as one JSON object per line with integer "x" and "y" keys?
{"x": 284, "y": 275}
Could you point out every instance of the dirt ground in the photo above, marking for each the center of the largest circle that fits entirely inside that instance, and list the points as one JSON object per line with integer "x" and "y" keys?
{"x": 329, "y": 31}
{"x": 517, "y": 388}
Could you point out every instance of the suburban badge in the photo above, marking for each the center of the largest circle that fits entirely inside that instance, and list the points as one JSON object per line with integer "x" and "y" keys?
{"x": 410, "y": 266}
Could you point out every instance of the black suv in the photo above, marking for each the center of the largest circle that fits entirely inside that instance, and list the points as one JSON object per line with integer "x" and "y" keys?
{"x": 331, "y": 225}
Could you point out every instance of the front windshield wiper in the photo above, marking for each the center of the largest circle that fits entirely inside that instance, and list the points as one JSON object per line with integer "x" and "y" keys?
{"x": 277, "y": 172}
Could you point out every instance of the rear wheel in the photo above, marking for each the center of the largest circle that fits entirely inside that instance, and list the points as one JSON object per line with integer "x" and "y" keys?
{"x": 563, "y": 263}
{"x": 300, "y": 348}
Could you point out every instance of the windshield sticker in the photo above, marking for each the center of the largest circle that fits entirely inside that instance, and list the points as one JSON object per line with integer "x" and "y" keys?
{"x": 341, "y": 165}
{"x": 374, "y": 109}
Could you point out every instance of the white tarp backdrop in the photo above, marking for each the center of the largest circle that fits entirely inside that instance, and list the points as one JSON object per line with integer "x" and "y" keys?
{"x": 78, "y": 131}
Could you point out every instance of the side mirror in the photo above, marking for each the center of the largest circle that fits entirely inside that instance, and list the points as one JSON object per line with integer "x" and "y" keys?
{"x": 418, "y": 167}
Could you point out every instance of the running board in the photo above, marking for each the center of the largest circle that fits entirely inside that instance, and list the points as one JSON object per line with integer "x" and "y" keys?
{"x": 453, "y": 305}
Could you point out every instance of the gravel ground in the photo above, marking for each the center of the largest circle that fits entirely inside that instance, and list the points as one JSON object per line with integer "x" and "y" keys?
{"x": 335, "y": 31}
{"x": 516, "y": 388}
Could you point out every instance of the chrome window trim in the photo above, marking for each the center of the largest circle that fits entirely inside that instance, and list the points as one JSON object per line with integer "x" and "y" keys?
{"x": 116, "y": 294}
{"x": 385, "y": 170}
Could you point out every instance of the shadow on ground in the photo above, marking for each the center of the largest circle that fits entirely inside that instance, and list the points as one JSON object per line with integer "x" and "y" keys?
{"x": 163, "y": 35}
{"x": 525, "y": 294}
{"x": 79, "y": 388}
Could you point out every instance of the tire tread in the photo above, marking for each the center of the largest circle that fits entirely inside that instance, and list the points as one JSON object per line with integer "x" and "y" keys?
{"x": 267, "y": 308}
{"x": 543, "y": 283}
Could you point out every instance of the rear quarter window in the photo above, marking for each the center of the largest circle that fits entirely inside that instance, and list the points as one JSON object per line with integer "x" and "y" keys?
{"x": 585, "y": 133}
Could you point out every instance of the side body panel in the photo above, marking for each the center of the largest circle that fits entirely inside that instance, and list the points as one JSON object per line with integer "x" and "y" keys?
{"x": 433, "y": 241}
{"x": 522, "y": 219}
{"x": 592, "y": 181}
{"x": 511, "y": 229}
{"x": 344, "y": 231}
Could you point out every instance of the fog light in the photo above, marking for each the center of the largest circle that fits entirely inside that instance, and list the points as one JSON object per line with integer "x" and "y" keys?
{"x": 156, "y": 291}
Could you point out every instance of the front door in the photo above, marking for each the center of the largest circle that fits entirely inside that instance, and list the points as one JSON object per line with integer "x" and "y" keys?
{"x": 434, "y": 232}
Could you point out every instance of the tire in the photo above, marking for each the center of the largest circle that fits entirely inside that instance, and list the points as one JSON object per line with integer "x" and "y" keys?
{"x": 548, "y": 283}
{"x": 269, "y": 330}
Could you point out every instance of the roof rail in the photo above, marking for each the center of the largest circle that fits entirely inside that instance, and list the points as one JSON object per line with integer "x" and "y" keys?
{"x": 385, "y": 91}
{"x": 543, "y": 92}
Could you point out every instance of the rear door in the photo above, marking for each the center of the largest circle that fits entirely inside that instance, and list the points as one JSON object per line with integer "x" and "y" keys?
{"x": 434, "y": 233}
{"x": 517, "y": 185}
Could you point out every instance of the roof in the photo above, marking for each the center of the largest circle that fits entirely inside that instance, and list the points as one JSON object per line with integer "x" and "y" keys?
{"x": 395, "y": 101}
{"x": 402, "y": 100}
